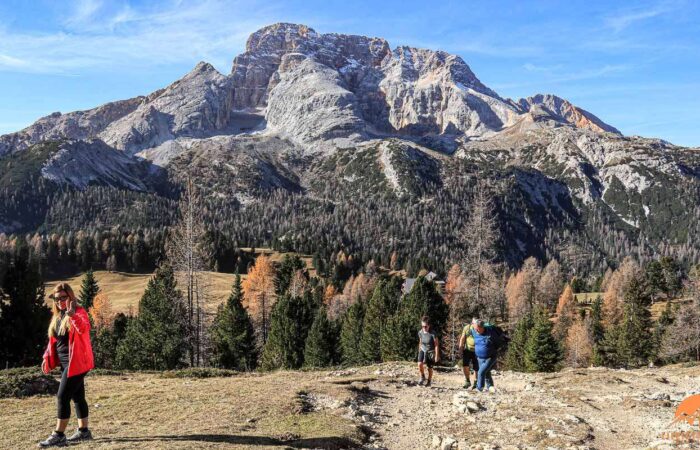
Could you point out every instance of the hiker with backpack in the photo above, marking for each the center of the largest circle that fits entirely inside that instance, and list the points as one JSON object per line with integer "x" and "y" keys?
{"x": 487, "y": 340}
{"x": 428, "y": 351}
{"x": 70, "y": 348}
{"x": 466, "y": 346}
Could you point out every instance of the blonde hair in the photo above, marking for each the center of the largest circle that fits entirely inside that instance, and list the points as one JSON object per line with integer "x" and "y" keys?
{"x": 65, "y": 323}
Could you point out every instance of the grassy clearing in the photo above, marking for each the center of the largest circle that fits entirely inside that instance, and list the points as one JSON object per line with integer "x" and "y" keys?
{"x": 147, "y": 410}
{"x": 125, "y": 289}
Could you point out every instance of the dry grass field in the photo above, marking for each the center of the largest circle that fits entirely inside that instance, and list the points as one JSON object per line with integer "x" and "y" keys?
{"x": 125, "y": 289}
{"x": 146, "y": 410}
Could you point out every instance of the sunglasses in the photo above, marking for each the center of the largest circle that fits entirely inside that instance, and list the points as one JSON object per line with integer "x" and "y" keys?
{"x": 62, "y": 298}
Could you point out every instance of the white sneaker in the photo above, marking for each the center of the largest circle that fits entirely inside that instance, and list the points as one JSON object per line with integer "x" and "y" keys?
{"x": 492, "y": 389}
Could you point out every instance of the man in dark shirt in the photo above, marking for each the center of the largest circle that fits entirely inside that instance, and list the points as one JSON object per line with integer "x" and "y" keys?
{"x": 428, "y": 351}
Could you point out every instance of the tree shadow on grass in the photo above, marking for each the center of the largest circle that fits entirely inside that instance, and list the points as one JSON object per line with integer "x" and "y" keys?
{"x": 318, "y": 442}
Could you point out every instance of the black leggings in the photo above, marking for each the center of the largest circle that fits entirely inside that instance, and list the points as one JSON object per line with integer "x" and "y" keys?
{"x": 72, "y": 388}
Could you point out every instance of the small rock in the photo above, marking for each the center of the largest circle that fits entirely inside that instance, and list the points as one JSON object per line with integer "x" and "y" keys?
{"x": 573, "y": 419}
{"x": 436, "y": 441}
{"x": 658, "y": 396}
{"x": 448, "y": 443}
{"x": 473, "y": 406}
{"x": 462, "y": 409}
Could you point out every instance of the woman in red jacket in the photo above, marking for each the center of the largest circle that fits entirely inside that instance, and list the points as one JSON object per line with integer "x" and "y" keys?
{"x": 69, "y": 346}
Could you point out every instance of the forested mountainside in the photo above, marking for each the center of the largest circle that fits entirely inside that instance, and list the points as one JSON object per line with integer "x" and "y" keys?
{"x": 325, "y": 142}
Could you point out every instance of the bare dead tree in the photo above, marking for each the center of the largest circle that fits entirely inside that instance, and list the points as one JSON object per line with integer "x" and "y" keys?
{"x": 189, "y": 257}
{"x": 480, "y": 236}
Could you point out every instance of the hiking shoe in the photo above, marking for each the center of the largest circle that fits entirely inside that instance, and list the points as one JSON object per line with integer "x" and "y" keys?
{"x": 80, "y": 436}
{"x": 421, "y": 382}
{"x": 428, "y": 383}
{"x": 467, "y": 385}
{"x": 492, "y": 389}
{"x": 54, "y": 441}
{"x": 473, "y": 387}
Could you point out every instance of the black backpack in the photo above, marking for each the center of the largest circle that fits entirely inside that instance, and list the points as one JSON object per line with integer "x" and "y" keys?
{"x": 500, "y": 338}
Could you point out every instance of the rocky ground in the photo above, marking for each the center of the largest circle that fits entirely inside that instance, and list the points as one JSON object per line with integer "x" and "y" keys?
{"x": 374, "y": 407}
{"x": 593, "y": 408}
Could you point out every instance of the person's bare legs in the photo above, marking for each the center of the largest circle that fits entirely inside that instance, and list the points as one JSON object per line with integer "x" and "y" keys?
{"x": 421, "y": 369}
{"x": 430, "y": 374}
{"x": 61, "y": 424}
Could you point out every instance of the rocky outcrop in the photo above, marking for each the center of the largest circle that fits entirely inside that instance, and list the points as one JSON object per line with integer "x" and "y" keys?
{"x": 562, "y": 110}
{"x": 197, "y": 105}
{"x": 315, "y": 88}
{"x": 83, "y": 163}
{"x": 74, "y": 125}
{"x": 433, "y": 92}
{"x": 308, "y": 103}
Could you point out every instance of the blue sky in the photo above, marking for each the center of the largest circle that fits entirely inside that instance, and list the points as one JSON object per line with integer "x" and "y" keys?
{"x": 634, "y": 64}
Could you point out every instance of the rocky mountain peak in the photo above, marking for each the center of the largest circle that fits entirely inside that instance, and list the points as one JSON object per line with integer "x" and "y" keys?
{"x": 279, "y": 38}
{"x": 564, "y": 111}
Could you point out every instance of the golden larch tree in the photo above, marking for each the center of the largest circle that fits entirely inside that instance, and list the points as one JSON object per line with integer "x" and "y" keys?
{"x": 259, "y": 294}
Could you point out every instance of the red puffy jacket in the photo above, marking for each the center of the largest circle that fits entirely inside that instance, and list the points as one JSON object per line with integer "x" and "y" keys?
{"x": 80, "y": 359}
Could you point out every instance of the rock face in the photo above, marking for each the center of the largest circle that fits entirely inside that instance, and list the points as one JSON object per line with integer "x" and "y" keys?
{"x": 562, "y": 110}
{"x": 196, "y": 105}
{"x": 308, "y": 102}
{"x": 74, "y": 125}
{"x": 81, "y": 163}
{"x": 312, "y": 88}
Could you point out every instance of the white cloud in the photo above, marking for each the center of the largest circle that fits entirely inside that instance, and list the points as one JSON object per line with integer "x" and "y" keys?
{"x": 83, "y": 12}
{"x": 95, "y": 37}
{"x": 623, "y": 20}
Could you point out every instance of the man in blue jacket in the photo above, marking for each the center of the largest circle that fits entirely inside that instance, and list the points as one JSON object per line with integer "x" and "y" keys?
{"x": 486, "y": 341}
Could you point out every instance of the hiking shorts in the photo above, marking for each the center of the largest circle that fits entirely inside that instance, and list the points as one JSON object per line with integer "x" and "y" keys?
{"x": 427, "y": 358}
{"x": 470, "y": 357}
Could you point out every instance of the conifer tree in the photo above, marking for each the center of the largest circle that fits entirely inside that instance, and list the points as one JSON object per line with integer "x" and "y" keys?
{"x": 661, "y": 327}
{"x": 259, "y": 294}
{"x": 321, "y": 343}
{"x": 596, "y": 331}
{"x": 288, "y": 267}
{"x": 542, "y": 352}
{"x": 578, "y": 344}
{"x": 515, "y": 357}
{"x": 107, "y": 339}
{"x": 635, "y": 346}
{"x": 381, "y": 306}
{"x": 232, "y": 334}
{"x": 566, "y": 313}
{"x": 156, "y": 338}
{"x": 399, "y": 339}
{"x": 24, "y": 317}
{"x": 88, "y": 290}
{"x": 351, "y": 333}
{"x": 290, "y": 321}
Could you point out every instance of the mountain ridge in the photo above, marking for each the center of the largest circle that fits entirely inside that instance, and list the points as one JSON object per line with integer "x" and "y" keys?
{"x": 301, "y": 111}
